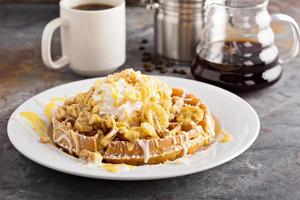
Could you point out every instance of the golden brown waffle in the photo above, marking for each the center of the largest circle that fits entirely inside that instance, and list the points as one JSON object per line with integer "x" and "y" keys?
{"x": 187, "y": 139}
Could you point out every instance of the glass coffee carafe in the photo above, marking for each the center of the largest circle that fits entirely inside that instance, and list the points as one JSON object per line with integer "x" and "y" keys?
{"x": 237, "y": 49}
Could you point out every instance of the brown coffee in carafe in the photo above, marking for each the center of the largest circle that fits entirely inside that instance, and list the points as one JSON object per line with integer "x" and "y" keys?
{"x": 237, "y": 65}
{"x": 93, "y": 6}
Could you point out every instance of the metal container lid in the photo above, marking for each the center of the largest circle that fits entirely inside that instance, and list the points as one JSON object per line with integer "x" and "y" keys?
{"x": 180, "y": 1}
{"x": 189, "y": 3}
{"x": 180, "y": 6}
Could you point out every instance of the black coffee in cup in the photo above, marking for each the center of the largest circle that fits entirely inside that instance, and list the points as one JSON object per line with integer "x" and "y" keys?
{"x": 93, "y": 6}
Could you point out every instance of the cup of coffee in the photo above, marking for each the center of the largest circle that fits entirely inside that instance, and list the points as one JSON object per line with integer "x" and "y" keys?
{"x": 93, "y": 36}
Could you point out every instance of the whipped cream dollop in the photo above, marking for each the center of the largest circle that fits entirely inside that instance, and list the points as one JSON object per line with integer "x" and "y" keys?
{"x": 124, "y": 93}
{"x": 106, "y": 96}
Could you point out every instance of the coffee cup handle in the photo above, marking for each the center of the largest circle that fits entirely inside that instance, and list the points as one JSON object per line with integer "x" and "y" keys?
{"x": 296, "y": 35}
{"x": 46, "y": 44}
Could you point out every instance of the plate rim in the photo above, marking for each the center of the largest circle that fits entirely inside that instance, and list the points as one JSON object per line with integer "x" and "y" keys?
{"x": 134, "y": 178}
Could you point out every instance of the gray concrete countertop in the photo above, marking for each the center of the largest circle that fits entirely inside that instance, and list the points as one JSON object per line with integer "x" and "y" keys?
{"x": 269, "y": 169}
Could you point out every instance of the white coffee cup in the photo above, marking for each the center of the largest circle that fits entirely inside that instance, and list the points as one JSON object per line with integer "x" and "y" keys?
{"x": 93, "y": 42}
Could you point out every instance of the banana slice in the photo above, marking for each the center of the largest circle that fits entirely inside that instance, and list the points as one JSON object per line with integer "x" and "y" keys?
{"x": 155, "y": 115}
{"x": 148, "y": 130}
{"x": 190, "y": 113}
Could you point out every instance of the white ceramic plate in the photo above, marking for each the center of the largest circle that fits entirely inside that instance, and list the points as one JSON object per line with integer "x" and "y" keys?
{"x": 237, "y": 117}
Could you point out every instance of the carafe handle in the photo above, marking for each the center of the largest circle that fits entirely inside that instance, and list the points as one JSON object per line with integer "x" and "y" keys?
{"x": 296, "y": 35}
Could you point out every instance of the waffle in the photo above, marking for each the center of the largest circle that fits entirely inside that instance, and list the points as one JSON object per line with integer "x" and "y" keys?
{"x": 176, "y": 125}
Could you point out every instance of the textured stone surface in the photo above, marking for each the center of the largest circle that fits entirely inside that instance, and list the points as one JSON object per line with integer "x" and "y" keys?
{"x": 270, "y": 169}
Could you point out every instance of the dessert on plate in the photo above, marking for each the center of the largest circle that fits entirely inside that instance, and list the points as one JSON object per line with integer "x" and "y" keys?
{"x": 132, "y": 118}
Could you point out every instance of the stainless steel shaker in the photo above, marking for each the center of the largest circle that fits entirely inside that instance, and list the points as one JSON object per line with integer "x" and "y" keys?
{"x": 178, "y": 24}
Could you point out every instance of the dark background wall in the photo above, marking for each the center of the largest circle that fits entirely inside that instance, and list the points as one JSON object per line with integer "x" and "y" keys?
{"x": 29, "y": 1}
{"x": 130, "y": 2}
